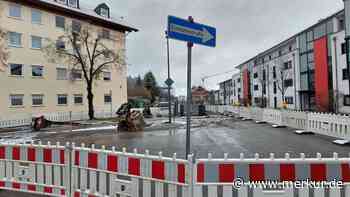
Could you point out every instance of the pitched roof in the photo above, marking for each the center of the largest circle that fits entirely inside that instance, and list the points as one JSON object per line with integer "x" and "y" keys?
{"x": 82, "y": 13}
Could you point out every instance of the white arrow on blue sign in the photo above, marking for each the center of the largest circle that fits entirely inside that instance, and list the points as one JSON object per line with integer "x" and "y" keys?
{"x": 184, "y": 30}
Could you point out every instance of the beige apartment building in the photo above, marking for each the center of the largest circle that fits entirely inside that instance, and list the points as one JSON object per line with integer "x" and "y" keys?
{"x": 30, "y": 83}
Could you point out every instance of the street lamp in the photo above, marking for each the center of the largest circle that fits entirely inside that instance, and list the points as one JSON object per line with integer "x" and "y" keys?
{"x": 169, "y": 85}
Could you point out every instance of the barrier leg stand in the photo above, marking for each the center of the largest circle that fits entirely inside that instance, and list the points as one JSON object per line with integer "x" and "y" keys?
{"x": 303, "y": 132}
{"x": 341, "y": 142}
{"x": 192, "y": 175}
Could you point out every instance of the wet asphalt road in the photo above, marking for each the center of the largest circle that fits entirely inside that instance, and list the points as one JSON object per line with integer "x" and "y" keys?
{"x": 230, "y": 136}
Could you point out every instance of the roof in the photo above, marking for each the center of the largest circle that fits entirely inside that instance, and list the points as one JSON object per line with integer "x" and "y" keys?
{"x": 82, "y": 13}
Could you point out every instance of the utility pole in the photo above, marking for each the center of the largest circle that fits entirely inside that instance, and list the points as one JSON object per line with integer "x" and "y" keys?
{"x": 169, "y": 85}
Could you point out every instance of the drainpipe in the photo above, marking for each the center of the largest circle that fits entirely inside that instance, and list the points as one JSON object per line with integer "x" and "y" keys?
{"x": 347, "y": 36}
{"x": 294, "y": 84}
{"x": 335, "y": 94}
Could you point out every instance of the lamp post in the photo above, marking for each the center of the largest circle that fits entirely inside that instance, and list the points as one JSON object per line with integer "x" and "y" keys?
{"x": 169, "y": 86}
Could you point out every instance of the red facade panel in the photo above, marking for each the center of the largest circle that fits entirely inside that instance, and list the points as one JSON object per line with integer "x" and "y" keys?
{"x": 321, "y": 74}
{"x": 246, "y": 86}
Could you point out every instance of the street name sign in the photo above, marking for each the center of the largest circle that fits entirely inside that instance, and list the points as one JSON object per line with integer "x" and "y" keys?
{"x": 192, "y": 33}
{"x": 184, "y": 30}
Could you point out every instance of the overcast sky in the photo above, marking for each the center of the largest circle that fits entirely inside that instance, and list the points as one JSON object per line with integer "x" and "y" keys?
{"x": 244, "y": 28}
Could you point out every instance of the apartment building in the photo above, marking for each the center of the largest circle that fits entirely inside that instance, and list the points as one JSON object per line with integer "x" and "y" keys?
{"x": 226, "y": 92}
{"x": 237, "y": 88}
{"x": 307, "y": 71}
{"x": 30, "y": 83}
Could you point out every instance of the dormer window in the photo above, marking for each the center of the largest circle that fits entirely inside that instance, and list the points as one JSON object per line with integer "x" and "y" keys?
{"x": 70, "y": 3}
{"x": 73, "y": 3}
{"x": 103, "y": 10}
{"x": 62, "y": 1}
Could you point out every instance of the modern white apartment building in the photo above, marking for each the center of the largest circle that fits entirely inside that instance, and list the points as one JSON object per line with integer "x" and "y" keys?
{"x": 32, "y": 84}
{"x": 307, "y": 71}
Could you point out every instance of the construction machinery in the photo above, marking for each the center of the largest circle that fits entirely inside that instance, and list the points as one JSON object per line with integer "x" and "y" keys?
{"x": 130, "y": 120}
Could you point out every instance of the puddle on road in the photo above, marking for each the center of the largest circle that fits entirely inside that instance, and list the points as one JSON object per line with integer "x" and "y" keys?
{"x": 18, "y": 137}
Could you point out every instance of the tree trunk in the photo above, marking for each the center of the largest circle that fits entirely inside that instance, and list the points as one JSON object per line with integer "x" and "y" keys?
{"x": 90, "y": 98}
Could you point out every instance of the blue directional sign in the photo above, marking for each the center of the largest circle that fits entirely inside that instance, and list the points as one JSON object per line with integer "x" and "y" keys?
{"x": 184, "y": 30}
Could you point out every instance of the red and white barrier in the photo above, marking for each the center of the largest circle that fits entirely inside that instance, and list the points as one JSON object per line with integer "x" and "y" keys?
{"x": 334, "y": 125}
{"x": 34, "y": 168}
{"x": 214, "y": 176}
{"x": 97, "y": 171}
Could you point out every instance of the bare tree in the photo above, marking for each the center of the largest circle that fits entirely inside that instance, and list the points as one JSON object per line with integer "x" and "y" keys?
{"x": 85, "y": 49}
{"x": 262, "y": 82}
{"x": 280, "y": 73}
{"x": 4, "y": 53}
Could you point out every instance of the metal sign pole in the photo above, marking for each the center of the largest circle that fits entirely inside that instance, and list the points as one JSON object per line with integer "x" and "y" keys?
{"x": 189, "y": 96}
{"x": 169, "y": 86}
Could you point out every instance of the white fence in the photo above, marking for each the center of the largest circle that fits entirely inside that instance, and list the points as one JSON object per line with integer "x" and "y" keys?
{"x": 26, "y": 119}
{"x": 333, "y": 125}
{"x": 56, "y": 170}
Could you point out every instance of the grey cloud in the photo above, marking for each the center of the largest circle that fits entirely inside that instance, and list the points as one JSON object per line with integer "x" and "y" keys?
{"x": 244, "y": 28}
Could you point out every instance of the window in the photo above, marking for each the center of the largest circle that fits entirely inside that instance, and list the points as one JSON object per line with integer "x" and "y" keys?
{"x": 108, "y": 98}
{"x": 105, "y": 34}
{"x": 238, "y": 80}
{"x": 289, "y": 100}
{"x": 62, "y": 1}
{"x": 60, "y": 45}
{"x": 255, "y": 75}
{"x": 304, "y": 81}
{"x": 275, "y": 87}
{"x": 36, "y": 42}
{"x": 345, "y": 74}
{"x": 346, "y": 100}
{"x": 106, "y": 76}
{"x": 310, "y": 36}
{"x": 76, "y": 26}
{"x": 37, "y": 71}
{"x": 76, "y": 74}
{"x": 256, "y": 87}
{"x": 287, "y": 65}
{"x": 288, "y": 83}
{"x": 37, "y": 99}
{"x": 264, "y": 89}
{"x": 16, "y": 69}
{"x": 239, "y": 89}
{"x": 16, "y": 99}
{"x": 78, "y": 99}
{"x": 15, "y": 39}
{"x": 264, "y": 75}
{"x": 15, "y": 11}
{"x": 303, "y": 63}
{"x": 274, "y": 72}
{"x": 320, "y": 31}
{"x": 36, "y": 16}
{"x": 341, "y": 24}
{"x": 257, "y": 100}
{"x": 302, "y": 43}
{"x": 62, "y": 99}
{"x": 343, "y": 48}
{"x": 61, "y": 73}
{"x": 73, "y": 3}
{"x": 104, "y": 12}
{"x": 60, "y": 22}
